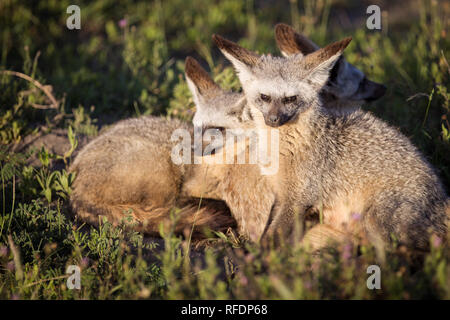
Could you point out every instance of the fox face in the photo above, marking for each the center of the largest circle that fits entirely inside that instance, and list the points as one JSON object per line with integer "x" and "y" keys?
{"x": 346, "y": 82}
{"x": 276, "y": 91}
{"x": 282, "y": 88}
{"x": 215, "y": 108}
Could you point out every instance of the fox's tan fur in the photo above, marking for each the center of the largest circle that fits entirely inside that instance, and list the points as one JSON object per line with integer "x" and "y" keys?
{"x": 128, "y": 172}
{"x": 342, "y": 165}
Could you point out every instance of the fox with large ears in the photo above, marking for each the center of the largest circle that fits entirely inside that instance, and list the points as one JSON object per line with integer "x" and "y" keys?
{"x": 347, "y": 87}
{"x": 282, "y": 88}
{"x": 128, "y": 173}
{"x": 363, "y": 175}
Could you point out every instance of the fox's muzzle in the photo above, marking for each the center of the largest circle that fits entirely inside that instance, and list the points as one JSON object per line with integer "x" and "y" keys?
{"x": 373, "y": 89}
{"x": 276, "y": 119}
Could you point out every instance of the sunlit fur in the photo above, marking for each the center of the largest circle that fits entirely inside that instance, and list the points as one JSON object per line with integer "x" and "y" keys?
{"x": 126, "y": 174}
{"x": 347, "y": 88}
{"x": 342, "y": 165}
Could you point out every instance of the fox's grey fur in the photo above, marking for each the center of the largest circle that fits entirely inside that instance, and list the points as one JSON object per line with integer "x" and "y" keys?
{"x": 341, "y": 165}
{"x": 128, "y": 172}
{"x": 347, "y": 87}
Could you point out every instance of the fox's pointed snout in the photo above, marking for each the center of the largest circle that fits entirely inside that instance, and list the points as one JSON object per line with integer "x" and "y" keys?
{"x": 378, "y": 93}
{"x": 276, "y": 119}
{"x": 373, "y": 90}
{"x": 273, "y": 120}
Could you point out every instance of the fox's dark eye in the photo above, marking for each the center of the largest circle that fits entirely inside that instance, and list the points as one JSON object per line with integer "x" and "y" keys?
{"x": 213, "y": 129}
{"x": 265, "y": 98}
{"x": 289, "y": 99}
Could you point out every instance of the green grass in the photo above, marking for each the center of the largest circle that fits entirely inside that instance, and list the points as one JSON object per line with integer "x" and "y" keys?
{"x": 91, "y": 78}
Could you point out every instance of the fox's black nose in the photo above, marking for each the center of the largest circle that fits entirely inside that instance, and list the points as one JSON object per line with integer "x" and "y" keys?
{"x": 276, "y": 120}
{"x": 375, "y": 90}
{"x": 273, "y": 118}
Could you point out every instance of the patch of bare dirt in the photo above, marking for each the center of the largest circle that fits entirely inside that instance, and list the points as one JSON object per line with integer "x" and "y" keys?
{"x": 55, "y": 141}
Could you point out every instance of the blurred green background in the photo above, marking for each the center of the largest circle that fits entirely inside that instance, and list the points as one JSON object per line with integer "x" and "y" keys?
{"x": 127, "y": 60}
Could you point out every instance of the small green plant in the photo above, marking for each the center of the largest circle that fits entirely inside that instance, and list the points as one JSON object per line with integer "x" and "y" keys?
{"x": 128, "y": 60}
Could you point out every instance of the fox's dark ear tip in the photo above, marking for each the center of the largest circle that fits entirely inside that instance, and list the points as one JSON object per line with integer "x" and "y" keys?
{"x": 190, "y": 63}
{"x": 191, "y": 67}
{"x": 217, "y": 39}
{"x": 344, "y": 43}
{"x": 282, "y": 29}
{"x": 282, "y": 26}
{"x": 220, "y": 41}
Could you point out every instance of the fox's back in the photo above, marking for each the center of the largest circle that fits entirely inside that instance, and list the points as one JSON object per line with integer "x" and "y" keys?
{"x": 369, "y": 150}
{"x": 375, "y": 166}
{"x": 131, "y": 161}
{"x": 131, "y": 137}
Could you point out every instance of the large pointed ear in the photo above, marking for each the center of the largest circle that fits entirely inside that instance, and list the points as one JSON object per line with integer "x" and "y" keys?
{"x": 238, "y": 108}
{"x": 199, "y": 82}
{"x": 242, "y": 59}
{"x": 319, "y": 63}
{"x": 290, "y": 42}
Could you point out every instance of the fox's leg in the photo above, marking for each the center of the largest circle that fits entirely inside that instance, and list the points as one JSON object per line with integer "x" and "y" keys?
{"x": 249, "y": 196}
{"x": 323, "y": 235}
{"x": 287, "y": 222}
{"x": 252, "y": 215}
{"x": 251, "y": 199}
{"x": 204, "y": 182}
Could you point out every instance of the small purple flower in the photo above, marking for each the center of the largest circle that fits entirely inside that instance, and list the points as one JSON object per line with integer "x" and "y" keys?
{"x": 15, "y": 297}
{"x": 10, "y": 266}
{"x": 307, "y": 285}
{"x": 437, "y": 241}
{"x": 84, "y": 262}
{"x": 347, "y": 251}
{"x": 123, "y": 23}
{"x": 356, "y": 216}
{"x": 3, "y": 251}
{"x": 249, "y": 258}
{"x": 315, "y": 265}
{"x": 244, "y": 280}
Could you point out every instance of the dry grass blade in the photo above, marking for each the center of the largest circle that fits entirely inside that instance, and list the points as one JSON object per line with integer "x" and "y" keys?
{"x": 16, "y": 255}
{"x": 45, "y": 89}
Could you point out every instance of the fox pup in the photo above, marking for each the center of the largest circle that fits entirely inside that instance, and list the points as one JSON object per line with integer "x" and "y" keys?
{"x": 114, "y": 164}
{"x": 128, "y": 172}
{"x": 347, "y": 87}
{"x": 343, "y": 165}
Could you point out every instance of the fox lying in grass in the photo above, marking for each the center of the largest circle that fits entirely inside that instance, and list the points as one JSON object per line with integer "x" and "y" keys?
{"x": 347, "y": 87}
{"x": 341, "y": 165}
{"x": 112, "y": 183}
{"x": 128, "y": 172}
